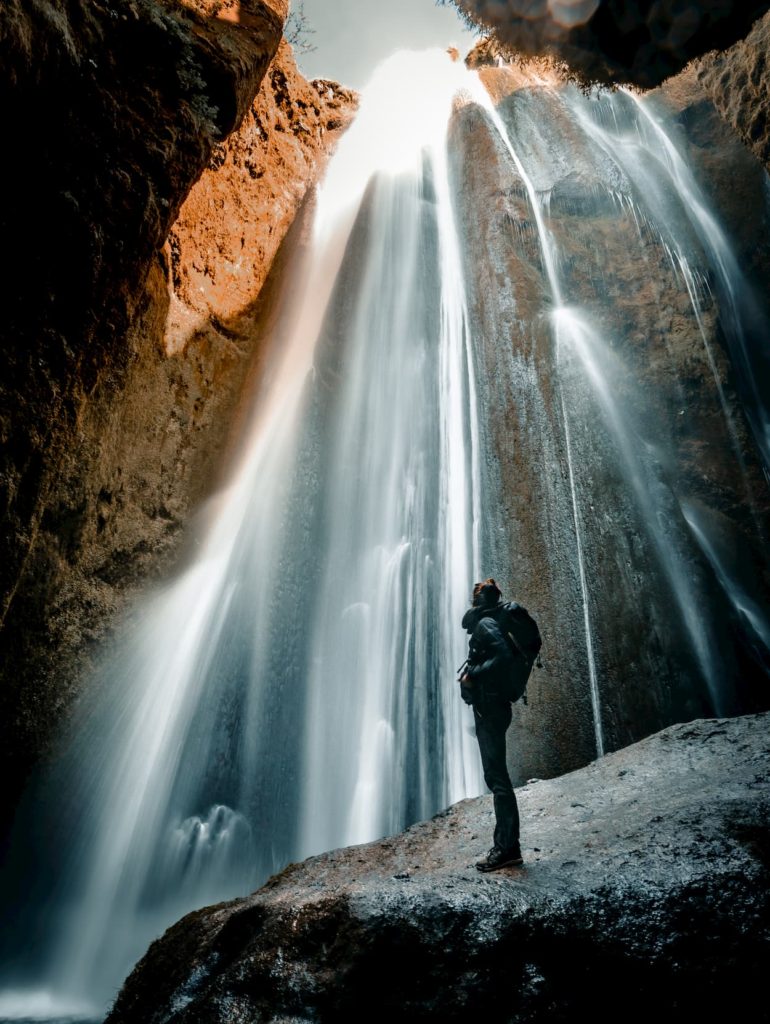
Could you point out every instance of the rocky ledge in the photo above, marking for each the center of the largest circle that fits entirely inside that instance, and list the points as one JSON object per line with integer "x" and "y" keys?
{"x": 644, "y": 890}
{"x": 636, "y": 41}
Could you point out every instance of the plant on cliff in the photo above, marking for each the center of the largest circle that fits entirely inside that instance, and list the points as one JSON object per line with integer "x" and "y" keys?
{"x": 298, "y": 30}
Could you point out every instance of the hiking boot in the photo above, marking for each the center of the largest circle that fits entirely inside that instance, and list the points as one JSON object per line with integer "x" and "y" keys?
{"x": 497, "y": 858}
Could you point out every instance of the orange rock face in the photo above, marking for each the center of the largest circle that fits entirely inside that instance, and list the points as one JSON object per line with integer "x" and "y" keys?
{"x": 230, "y": 227}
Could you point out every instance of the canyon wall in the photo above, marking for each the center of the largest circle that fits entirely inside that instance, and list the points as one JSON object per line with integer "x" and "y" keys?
{"x": 643, "y": 44}
{"x": 553, "y": 468}
{"x": 158, "y": 167}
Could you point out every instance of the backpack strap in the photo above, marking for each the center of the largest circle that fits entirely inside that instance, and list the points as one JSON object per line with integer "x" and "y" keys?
{"x": 512, "y": 608}
{"x": 516, "y": 644}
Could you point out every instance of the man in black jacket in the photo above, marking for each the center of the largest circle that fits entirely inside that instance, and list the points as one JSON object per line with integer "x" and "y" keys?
{"x": 491, "y": 660}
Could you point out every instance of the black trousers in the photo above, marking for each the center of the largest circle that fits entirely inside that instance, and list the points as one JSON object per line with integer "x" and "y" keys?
{"x": 492, "y": 717}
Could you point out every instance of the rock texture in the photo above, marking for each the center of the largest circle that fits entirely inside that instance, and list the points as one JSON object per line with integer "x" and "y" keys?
{"x": 738, "y": 83}
{"x": 222, "y": 245}
{"x": 645, "y": 672}
{"x": 735, "y": 77}
{"x": 124, "y": 360}
{"x": 644, "y": 894}
{"x": 610, "y": 41}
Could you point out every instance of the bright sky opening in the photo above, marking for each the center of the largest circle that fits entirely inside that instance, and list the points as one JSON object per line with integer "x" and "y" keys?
{"x": 352, "y": 36}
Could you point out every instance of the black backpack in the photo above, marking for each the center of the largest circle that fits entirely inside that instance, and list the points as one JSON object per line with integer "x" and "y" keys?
{"x": 523, "y": 637}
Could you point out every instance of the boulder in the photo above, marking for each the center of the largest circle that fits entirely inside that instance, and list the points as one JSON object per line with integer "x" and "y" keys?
{"x": 644, "y": 892}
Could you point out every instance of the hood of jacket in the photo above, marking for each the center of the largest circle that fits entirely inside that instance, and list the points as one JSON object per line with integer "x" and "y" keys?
{"x": 475, "y": 614}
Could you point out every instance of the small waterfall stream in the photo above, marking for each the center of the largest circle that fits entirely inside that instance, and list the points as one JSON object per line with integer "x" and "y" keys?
{"x": 292, "y": 689}
{"x": 572, "y": 158}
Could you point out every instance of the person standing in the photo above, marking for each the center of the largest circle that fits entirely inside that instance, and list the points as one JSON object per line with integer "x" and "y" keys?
{"x": 504, "y": 642}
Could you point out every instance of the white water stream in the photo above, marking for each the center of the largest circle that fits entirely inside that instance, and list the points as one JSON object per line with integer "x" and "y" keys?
{"x": 292, "y": 690}
{"x": 628, "y": 148}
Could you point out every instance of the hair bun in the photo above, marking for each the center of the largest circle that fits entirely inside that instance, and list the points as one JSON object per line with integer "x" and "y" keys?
{"x": 483, "y": 592}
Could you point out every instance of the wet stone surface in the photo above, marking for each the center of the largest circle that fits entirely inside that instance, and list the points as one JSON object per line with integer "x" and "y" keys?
{"x": 645, "y": 886}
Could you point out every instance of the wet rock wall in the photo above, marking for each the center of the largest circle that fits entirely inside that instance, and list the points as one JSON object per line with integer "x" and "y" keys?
{"x": 557, "y": 492}
{"x": 737, "y": 82}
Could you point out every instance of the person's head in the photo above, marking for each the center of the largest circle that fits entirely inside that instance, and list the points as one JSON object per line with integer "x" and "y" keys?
{"x": 486, "y": 594}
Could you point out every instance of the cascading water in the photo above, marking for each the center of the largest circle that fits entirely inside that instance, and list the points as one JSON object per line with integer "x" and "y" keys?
{"x": 401, "y": 492}
{"x": 607, "y": 163}
{"x": 661, "y": 191}
{"x": 292, "y": 690}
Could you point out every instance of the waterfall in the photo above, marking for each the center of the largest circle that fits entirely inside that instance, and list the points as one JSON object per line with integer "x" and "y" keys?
{"x": 621, "y": 146}
{"x": 292, "y": 689}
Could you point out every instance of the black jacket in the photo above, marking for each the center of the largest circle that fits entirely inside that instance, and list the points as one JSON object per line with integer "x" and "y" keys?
{"x": 490, "y": 656}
